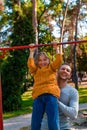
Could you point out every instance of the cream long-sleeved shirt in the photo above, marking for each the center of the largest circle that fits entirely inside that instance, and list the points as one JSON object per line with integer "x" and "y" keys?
{"x": 45, "y": 78}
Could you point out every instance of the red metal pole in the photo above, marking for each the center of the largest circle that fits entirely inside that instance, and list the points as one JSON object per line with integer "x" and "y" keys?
{"x": 39, "y": 45}
{"x": 1, "y": 117}
{"x": 4, "y": 49}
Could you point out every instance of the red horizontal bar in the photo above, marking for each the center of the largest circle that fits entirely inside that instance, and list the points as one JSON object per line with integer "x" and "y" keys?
{"x": 39, "y": 45}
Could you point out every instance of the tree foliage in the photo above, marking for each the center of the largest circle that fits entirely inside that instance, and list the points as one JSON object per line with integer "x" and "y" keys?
{"x": 82, "y": 57}
{"x": 14, "y": 68}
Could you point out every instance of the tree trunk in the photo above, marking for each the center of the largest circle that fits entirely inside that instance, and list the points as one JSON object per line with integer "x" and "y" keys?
{"x": 34, "y": 19}
{"x": 62, "y": 30}
{"x": 76, "y": 33}
{"x": 1, "y": 5}
{"x": 64, "y": 19}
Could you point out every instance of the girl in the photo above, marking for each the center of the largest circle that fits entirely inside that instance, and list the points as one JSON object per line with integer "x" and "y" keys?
{"x": 45, "y": 89}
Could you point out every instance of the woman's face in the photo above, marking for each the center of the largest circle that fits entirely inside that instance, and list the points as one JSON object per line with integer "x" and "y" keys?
{"x": 64, "y": 72}
{"x": 43, "y": 61}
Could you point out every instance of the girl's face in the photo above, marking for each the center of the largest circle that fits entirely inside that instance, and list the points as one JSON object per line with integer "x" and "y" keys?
{"x": 43, "y": 61}
{"x": 65, "y": 72}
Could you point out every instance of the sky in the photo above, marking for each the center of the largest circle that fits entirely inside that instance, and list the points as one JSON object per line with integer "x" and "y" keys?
{"x": 82, "y": 28}
{"x": 82, "y": 25}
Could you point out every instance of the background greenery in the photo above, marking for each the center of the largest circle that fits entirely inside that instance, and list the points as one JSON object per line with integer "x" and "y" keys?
{"x": 27, "y": 103}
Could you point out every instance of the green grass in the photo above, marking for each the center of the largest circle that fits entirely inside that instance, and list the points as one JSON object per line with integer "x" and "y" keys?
{"x": 26, "y": 106}
{"x": 27, "y": 103}
{"x": 83, "y": 95}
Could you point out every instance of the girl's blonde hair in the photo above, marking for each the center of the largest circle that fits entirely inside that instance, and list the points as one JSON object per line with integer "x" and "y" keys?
{"x": 38, "y": 55}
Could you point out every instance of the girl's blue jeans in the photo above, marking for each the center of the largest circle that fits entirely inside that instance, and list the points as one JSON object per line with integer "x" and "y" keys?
{"x": 49, "y": 104}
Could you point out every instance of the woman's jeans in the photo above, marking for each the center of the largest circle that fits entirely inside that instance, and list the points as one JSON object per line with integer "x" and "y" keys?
{"x": 49, "y": 104}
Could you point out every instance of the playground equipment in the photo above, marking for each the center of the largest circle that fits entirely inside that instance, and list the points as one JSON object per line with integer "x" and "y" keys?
{"x": 4, "y": 49}
{"x": 39, "y": 45}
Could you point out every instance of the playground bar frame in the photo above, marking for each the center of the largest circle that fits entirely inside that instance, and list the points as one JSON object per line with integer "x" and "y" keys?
{"x": 39, "y": 45}
{"x": 4, "y": 49}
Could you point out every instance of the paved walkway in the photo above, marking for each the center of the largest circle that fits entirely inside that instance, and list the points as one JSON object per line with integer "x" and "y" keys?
{"x": 17, "y": 122}
{"x": 25, "y": 120}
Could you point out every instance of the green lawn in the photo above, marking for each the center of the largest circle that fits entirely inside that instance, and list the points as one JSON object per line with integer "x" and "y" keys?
{"x": 27, "y": 103}
{"x": 26, "y": 106}
{"x": 83, "y": 95}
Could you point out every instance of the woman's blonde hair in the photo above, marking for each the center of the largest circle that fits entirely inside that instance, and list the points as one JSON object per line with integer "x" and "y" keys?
{"x": 38, "y": 55}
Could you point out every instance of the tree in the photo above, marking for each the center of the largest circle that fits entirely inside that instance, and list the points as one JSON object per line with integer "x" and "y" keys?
{"x": 82, "y": 56}
{"x": 63, "y": 28}
{"x": 14, "y": 67}
{"x": 34, "y": 19}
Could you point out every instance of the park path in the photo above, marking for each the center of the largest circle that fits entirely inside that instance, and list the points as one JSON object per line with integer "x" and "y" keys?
{"x": 17, "y": 123}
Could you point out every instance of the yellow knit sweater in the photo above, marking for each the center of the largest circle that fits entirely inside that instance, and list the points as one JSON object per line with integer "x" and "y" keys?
{"x": 45, "y": 78}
